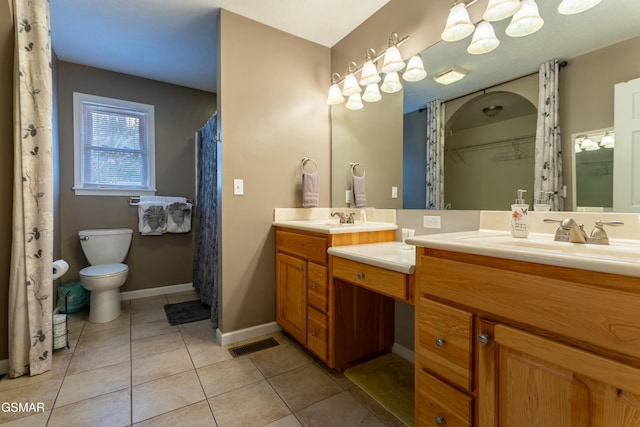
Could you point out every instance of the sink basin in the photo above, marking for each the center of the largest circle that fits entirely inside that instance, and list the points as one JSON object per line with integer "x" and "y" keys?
{"x": 619, "y": 257}
{"x": 333, "y": 226}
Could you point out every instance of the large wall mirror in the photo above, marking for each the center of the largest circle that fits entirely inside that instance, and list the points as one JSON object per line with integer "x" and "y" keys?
{"x": 597, "y": 60}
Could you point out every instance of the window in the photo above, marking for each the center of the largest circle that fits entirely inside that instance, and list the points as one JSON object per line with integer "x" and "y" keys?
{"x": 114, "y": 147}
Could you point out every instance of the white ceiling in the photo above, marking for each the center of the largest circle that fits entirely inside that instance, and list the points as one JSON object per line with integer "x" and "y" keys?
{"x": 175, "y": 41}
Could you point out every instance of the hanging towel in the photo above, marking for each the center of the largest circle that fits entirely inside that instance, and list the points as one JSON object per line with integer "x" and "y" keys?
{"x": 310, "y": 190}
{"x": 179, "y": 217}
{"x": 152, "y": 218}
{"x": 359, "y": 192}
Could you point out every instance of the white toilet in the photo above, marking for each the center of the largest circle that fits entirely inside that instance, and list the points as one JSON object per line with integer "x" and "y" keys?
{"x": 105, "y": 250}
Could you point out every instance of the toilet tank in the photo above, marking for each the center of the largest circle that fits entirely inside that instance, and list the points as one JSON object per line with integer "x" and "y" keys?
{"x": 105, "y": 245}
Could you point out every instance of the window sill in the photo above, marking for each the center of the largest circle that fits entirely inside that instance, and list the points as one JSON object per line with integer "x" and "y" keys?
{"x": 112, "y": 192}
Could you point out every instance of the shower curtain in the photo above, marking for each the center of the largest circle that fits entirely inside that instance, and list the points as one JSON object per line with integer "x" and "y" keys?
{"x": 205, "y": 257}
{"x": 30, "y": 281}
{"x": 548, "y": 150}
{"x": 435, "y": 155}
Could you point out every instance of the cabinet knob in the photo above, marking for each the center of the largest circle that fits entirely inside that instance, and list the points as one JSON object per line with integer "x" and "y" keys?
{"x": 300, "y": 268}
{"x": 314, "y": 333}
{"x": 361, "y": 276}
{"x": 439, "y": 419}
{"x": 484, "y": 339}
{"x": 314, "y": 286}
{"x": 440, "y": 342}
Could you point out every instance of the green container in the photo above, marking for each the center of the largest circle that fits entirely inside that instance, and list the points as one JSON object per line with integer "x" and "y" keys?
{"x": 77, "y": 298}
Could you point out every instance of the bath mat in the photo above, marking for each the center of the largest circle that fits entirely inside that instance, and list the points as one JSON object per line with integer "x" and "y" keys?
{"x": 389, "y": 380}
{"x": 187, "y": 312}
{"x": 252, "y": 347}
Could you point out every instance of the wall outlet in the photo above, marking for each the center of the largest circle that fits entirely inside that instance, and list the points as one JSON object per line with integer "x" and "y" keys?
{"x": 431, "y": 221}
{"x": 394, "y": 192}
{"x": 347, "y": 196}
{"x": 238, "y": 187}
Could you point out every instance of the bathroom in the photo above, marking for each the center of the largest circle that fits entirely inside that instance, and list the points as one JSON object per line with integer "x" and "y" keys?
{"x": 252, "y": 154}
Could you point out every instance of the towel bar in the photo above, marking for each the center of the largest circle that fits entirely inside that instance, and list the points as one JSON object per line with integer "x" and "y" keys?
{"x": 353, "y": 166}
{"x": 135, "y": 200}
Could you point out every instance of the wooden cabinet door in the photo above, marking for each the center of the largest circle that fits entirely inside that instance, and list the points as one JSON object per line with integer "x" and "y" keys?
{"x": 540, "y": 382}
{"x": 291, "y": 296}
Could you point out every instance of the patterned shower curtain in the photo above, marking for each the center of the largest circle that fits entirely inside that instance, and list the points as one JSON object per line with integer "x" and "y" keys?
{"x": 435, "y": 155}
{"x": 548, "y": 150}
{"x": 30, "y": 282}
{"x": 205, "y": 257}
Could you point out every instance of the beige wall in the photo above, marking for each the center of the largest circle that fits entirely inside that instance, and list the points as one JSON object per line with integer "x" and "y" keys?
{"x": 153, "y": 260}
{"x": 273, "y": 113}
{"x": 6, "y": 164}
{"x": 586, "y": 94}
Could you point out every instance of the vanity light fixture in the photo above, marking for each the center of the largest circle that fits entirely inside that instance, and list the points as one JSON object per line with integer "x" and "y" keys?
{"x": 369, "y": 73}
{"x": 392, "y": 58}
{"x": 498, "y": 10}
{"x": 452, "y": 75}
{"x": 372, "y": 93}
{"x": 354, "y": 102}
{"x": 526, "y": 21}
{"x": 335, "y": 95}
{"x": 587, "y": 144}
{"x": 391, "y": 83}
{"x": 415, "y": 70}
{"x": 571, "y": 7}
{"x": 351, "y": 86}
{"x": 608, "y": 140}
{"x": 484, "y": 39}
{"x": 458, "y": 25}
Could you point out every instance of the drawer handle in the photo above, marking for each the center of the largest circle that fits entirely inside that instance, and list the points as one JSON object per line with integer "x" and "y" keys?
{"x": 300, "y": 268}
{"x": 360, "y": 275}
{"x": 484, "y": 339}
{"x": 439, "y": 419}
{"x": 440, "y": 342}
{"x": 314, "y": 333}
{"x": 314, "y": 286}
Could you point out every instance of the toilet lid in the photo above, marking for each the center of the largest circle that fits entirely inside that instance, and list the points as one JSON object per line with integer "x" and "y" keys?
{"x": 104, "y": 270}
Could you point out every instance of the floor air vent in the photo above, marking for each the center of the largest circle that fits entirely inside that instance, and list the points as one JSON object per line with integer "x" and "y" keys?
{"x": 253, "y": 347}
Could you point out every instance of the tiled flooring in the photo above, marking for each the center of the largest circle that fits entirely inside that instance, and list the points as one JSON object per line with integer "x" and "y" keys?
{"x": 138, "y": 370}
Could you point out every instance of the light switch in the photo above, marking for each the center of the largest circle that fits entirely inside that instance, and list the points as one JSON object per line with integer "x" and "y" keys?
{"x": 238, "y": 187}
{"x": 431, "y": 221}
{"x": 347, "y": 196}
{"x": 394, "y": 192}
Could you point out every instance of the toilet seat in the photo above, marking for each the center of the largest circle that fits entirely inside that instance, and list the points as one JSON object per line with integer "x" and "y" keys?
{"x": 105, "y": 270}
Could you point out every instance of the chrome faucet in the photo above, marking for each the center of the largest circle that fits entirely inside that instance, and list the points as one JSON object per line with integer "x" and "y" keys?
{"x": 569, "y": 231}
{"x": 344, "y": 219}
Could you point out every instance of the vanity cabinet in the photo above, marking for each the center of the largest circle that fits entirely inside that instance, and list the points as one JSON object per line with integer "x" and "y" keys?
{"x": 511, "y": 343}
{"x": 305, "y": 300}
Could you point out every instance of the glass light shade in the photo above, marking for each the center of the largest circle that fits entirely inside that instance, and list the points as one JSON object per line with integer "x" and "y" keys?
{"x": 354, "y": 102}
{"x": 371, "y": 93}
{"x": 391, "y": 83}
{"x": 501, "y": 9}
{"x": 335, "y": 97}
{"x": 458, "y": 25}
{"x": 415, "y": 70}
{"x": 351, "y": 86}
{"x": 570, "y": 7}
{"x": 577, "y": 146}
{"x": 369, "y": 74}
{"x": 526, "y": 21}
{"x": 484, "y": 39}
{"x": 392, "y": 60}
{"x": 608, "y": 141}
{"x": 588, "y": 145}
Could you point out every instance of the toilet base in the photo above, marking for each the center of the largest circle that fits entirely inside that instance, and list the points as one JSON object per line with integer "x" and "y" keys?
{"x": 104, "y": 306}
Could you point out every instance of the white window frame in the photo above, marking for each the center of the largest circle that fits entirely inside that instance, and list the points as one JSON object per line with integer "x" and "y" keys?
{"x": 79, "y": 186}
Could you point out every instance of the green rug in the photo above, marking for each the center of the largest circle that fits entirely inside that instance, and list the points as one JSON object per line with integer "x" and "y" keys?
{"x": 389, "y": 379}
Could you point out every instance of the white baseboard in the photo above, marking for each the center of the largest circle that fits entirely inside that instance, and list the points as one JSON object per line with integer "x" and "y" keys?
{"x": 403, "y": 352}
{"x": 4, "y": 366}
{"x": 152, "y": 292}
{"x": 227, "y": 338}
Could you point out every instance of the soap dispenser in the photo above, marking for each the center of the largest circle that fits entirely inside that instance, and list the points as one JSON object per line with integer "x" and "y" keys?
{"x": 542, "y": 202}
{"x": 519, "y": 224}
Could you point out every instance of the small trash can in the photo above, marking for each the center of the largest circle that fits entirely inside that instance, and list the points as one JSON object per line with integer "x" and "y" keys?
{"x": 75, "y": 295}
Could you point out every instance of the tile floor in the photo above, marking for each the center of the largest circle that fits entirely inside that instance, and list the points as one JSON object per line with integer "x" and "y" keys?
{"x": 138, "y": 370}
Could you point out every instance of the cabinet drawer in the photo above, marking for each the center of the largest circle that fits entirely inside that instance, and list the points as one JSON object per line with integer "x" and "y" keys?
{"x": 317, "y": 333}
{"x": 317, "y": 286}
{"x": 437, "y": 403}
{"x": 311, "y": 248}
{"x": 380, "y": 280}
{"x": 445, "y": 344}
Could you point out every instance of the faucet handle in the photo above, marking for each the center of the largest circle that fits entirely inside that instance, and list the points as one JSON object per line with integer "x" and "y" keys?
{"x": 599, "y": 235}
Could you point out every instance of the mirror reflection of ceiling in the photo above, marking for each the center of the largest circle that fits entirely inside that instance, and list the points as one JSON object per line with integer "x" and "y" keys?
{"x": 479, "y": 112}
{"x": 562, "y": 37}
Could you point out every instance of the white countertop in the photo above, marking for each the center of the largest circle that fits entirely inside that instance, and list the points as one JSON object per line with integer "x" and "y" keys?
{"x": 621, "y": 257}
{"x": 327, "y": 226}
{"x": 389, "y": 255}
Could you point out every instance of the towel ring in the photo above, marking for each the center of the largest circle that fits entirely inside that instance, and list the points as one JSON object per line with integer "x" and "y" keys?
{"x": 353, "y": 169}
{"x": 304, "y": 162}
